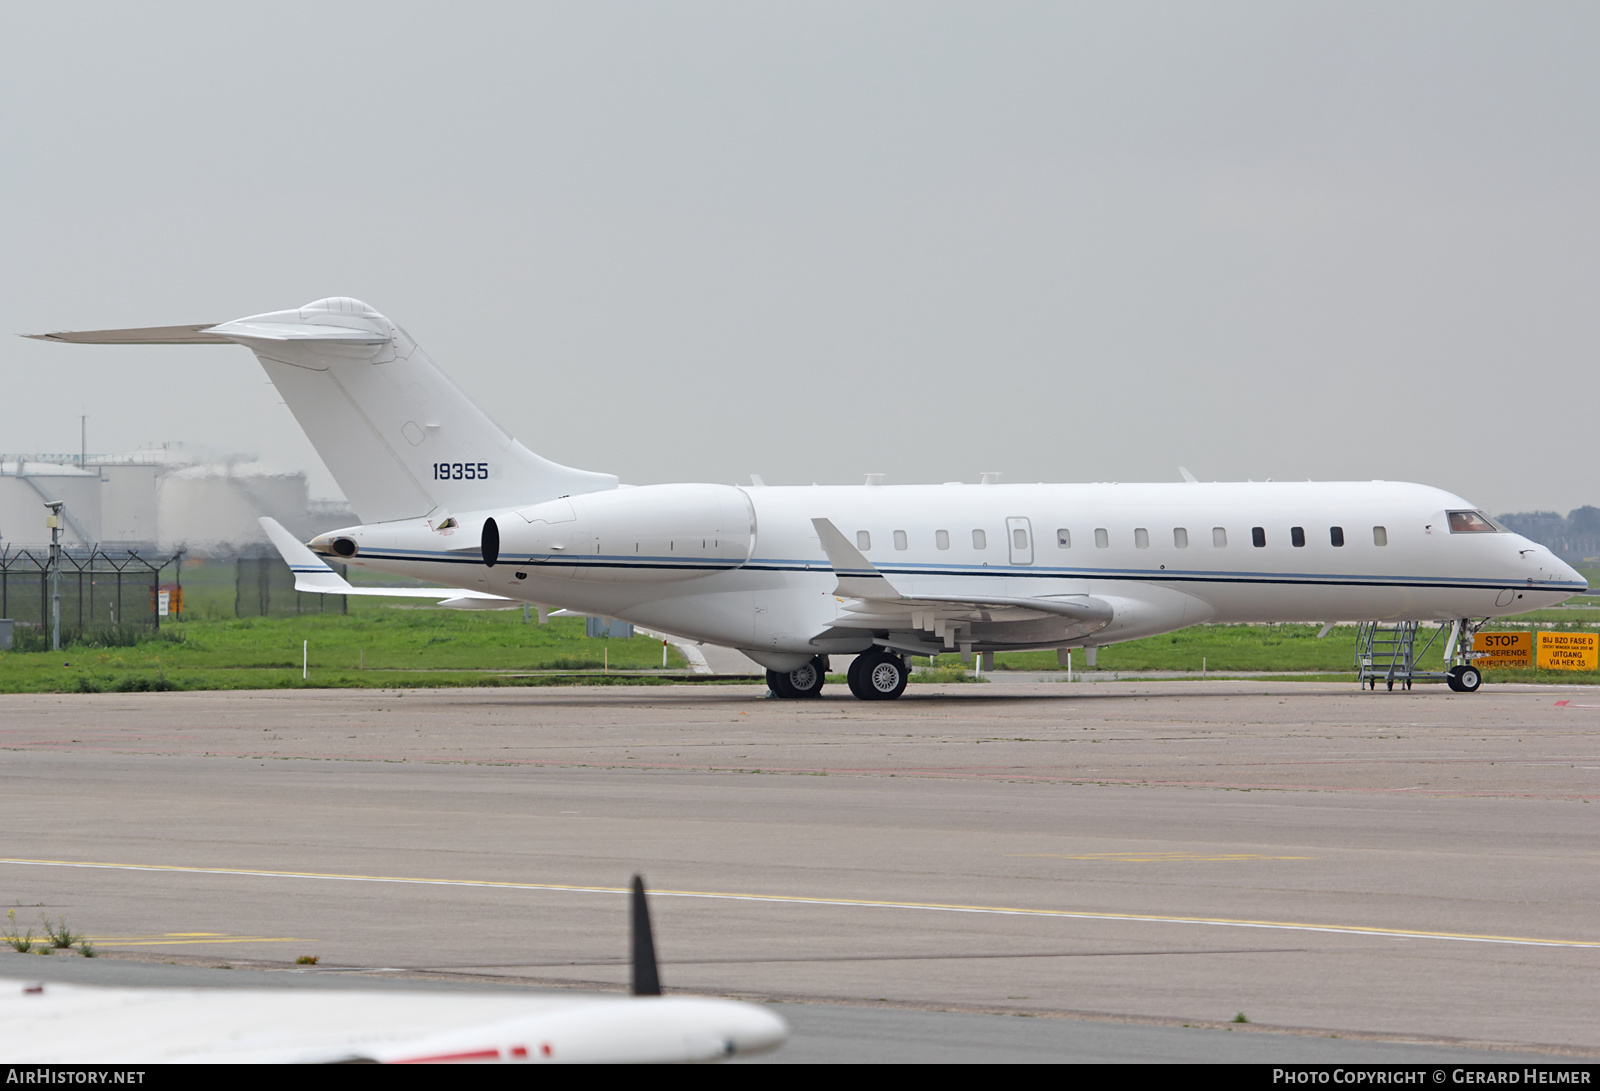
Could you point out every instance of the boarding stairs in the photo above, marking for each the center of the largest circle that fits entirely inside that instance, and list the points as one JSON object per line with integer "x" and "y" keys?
{"x": 1389, "y": 653}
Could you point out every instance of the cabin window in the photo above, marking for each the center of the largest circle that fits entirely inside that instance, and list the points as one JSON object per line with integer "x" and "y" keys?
{"x": 1380, "y": 536}
{"x": 980, "y": 540}
{"x": 941, "y": 539}
{"x": 1141, "y": 538}
{"x": 1101, "y": 538}
{"x": 1019, "y": 539}
{"x": 863, "y": 540}
{"x": 1219, "y": 537}
{"x": 1063, "y": 538}
{"x": 1336, "y": 535}
{"x": 1258, "y": 536}
{"x": 1471, "y": 522}
{"x": 899, "y": 539}
{"x": 1180, "y": 537}
{"x": 1297, "y": 537}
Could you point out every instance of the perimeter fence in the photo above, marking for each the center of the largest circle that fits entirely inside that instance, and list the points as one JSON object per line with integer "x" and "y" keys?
{"x": 121, "y": 597}
{"x": 102, "y": 593}
{"x": 263, "y": 586}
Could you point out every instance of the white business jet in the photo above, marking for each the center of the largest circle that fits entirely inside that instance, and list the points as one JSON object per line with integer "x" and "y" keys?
{"x": 791, "y": 576}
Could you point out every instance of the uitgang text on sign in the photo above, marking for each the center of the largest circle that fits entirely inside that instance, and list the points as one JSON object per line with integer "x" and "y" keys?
{"x": 1569, "y": 651}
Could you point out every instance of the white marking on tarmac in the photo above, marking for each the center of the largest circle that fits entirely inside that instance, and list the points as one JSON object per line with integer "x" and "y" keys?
{"x": 861, "y": 903}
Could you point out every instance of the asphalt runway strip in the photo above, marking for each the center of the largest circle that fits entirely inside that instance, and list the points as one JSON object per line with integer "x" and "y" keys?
{"x": 1014, "y": 911}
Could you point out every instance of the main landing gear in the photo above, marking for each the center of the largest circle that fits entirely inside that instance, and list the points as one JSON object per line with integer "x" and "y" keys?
{"x": 875, "y": 675}
{"x": 878, "y": 675}
{"x": 805, "y": 682}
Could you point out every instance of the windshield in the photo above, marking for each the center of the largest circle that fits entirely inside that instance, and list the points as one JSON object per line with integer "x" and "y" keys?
{"x": 1471, "y": 522}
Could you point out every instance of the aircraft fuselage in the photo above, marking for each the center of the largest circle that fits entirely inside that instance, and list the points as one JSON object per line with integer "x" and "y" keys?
{"x": 744, "y": 567}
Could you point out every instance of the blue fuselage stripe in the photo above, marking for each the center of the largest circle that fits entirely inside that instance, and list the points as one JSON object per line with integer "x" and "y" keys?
{"x": 1310, "y": 579}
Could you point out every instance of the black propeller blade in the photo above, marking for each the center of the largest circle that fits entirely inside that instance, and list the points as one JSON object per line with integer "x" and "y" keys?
{"x": 646, "y": 977}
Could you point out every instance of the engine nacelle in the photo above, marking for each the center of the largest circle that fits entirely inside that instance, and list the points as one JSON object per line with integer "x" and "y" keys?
{"x": 648, "y": 534}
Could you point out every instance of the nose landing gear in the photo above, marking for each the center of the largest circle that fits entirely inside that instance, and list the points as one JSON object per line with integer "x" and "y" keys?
{"x": 1391, "y": 653}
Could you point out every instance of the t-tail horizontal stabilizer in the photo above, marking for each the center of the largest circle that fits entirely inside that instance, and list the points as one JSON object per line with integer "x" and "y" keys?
{"x": 315, "y": 577}
{"x": 401, "y": 439}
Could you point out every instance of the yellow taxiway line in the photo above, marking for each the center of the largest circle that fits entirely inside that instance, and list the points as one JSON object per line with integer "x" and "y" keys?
{"x": 864, "y": 903}
{"x": 181, "y": 939}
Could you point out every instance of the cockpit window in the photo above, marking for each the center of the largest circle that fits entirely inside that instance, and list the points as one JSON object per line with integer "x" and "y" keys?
{"x": 1471, "y": 522}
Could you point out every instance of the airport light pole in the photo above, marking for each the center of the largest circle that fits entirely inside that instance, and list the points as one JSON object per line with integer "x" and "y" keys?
{"x": 53, "y": 521}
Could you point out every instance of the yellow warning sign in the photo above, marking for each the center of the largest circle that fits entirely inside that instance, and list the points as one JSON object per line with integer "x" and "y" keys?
{"x": 1503, "y": 650}
{"x": 1569, "y": 651}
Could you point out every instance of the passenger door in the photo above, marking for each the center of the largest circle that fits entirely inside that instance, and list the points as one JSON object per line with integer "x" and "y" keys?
{"x": 1019, "y": 539}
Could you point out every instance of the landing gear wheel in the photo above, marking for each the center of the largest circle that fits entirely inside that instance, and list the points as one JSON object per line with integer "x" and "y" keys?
{"x": 878, "y": 676}
{"x": 1463, "y": 678}
{"x": 805, "y": 682}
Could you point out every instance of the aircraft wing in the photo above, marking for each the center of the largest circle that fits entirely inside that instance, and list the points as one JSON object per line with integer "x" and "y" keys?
{"x": 312, "y": 574}
{"x": 873, "y": 602}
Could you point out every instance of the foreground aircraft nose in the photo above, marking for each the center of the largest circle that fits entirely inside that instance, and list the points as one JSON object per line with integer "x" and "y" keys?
{"x": 749, "y": 1029}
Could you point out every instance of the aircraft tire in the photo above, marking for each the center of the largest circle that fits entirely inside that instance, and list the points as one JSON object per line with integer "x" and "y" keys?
{"x": 1464, "y": 678}
{"x": 878, "y": 676}
{"x": 852, "y": 676}
{"x": 778, "y": 683}
{"x": 805, "y": 682}
{"x": 808, "y": 680}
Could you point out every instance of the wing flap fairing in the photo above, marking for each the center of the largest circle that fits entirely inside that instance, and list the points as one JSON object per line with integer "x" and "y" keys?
{"x": 873, "y": 602}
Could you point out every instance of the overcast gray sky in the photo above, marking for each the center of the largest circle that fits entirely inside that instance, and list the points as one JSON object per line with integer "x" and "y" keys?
{"x": 688, "y": 241}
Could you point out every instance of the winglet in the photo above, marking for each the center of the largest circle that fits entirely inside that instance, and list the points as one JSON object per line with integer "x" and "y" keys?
{"x": 646, "y": 975}
{"x": 857, "y": 577}
{"x": 310, "y": 573}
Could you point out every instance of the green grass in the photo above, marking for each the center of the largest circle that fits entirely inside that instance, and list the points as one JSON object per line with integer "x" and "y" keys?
{"x": 372, "y": 646}
{"x": 1222, "y": 647}
{"x": 1276, "y": 648}
{"x": 384, "y": 646}
{"x": 210, "y": 590}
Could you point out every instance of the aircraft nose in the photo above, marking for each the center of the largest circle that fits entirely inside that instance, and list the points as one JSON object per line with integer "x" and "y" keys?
{"x": 1564, "y": 572}
{"x": 755, "y": 1029}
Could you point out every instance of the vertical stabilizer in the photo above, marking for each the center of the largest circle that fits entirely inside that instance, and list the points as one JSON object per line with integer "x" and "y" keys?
{"x": 400, "y": 438}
